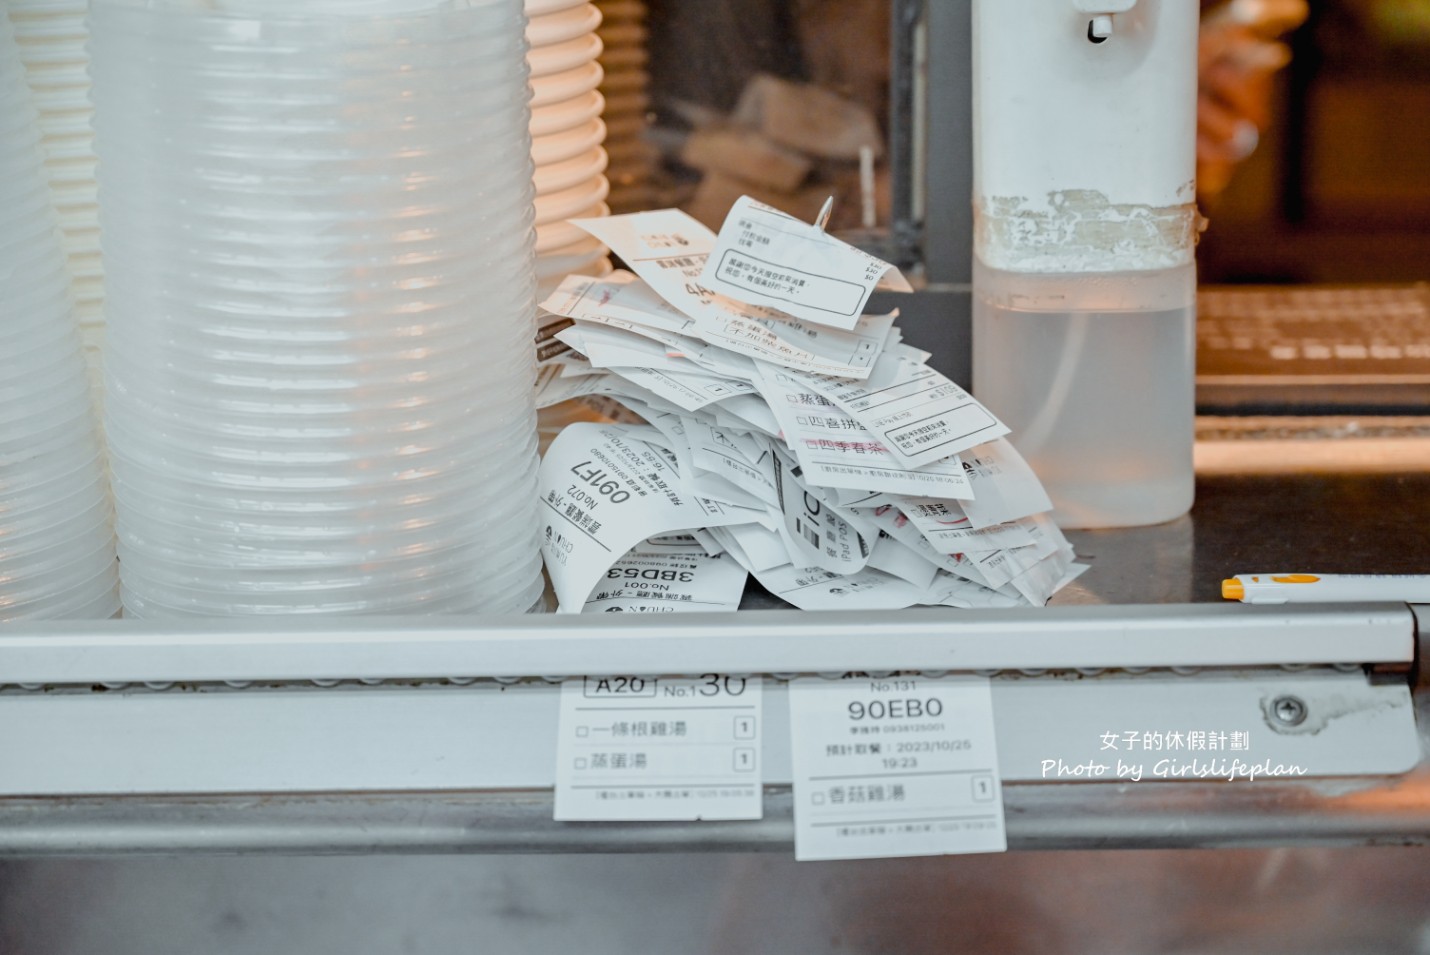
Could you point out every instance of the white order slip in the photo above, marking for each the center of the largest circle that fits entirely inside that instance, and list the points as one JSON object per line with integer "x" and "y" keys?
{"x": 602, "y": 491}
{"x": 920, "y": 416}
{"x": 946, "y": 527}
{"x": 669, "y": 583}
{"x": 835, "y": 451}
{"x": 669, "y": 544}
{"x": 1004, "y": 486}
{"x": 814, "y": 534}
{"x": 767, "y": 257}
{"x": 552, "y": 388}
{"x": 892, "y": 521}
{"x": 895, "y": 766}
{"x": 814, "y": 588}
{"x": 668, "y": 249}
{"x": 633, "y": 749}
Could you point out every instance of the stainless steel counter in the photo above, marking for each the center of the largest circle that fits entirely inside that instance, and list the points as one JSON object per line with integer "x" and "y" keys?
{"x": 1275, "y": 513}
{"x": 1248, "y": 523}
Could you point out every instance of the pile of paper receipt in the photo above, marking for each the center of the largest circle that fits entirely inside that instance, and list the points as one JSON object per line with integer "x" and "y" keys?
{"x": 763, "y": 424}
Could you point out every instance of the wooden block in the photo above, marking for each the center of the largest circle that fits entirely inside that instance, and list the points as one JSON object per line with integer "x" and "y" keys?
{"x": 745, "y": 154}
{"x": 807, "y": 119}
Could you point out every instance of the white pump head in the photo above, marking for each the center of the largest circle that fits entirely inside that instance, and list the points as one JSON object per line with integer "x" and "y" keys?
{"x": 1099, "y": 26}
{"x": 1084, "y": 133}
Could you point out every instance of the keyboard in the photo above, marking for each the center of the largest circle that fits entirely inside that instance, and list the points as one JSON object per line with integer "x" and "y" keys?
{"x": 1316, "y": 349}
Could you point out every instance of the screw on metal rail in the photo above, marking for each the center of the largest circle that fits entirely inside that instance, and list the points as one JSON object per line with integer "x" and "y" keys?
{"x": 1288, "y": 710}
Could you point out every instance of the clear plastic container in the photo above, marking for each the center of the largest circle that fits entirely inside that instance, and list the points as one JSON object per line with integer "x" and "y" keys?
{"x": 38, "y": 547}
{"x": 71, "y": 488}
{"x": 306, "y": 589}
{"x": 103, "y": 607}
{"x": 359, "y": 510}
{"x": 321, "y": 303}
{"x": 1109, "y": 427}
{"x": 96, "y": 598}
{"x": 59, "y": 573}
{"x": 371, "y": 516}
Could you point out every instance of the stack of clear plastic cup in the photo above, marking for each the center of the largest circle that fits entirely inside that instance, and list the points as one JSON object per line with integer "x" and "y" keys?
{"x": 566, "y": 136}
{"x": 56, "y": 521}
{"x": 626, "y": 87}
{"x": 51, "y": 38}
{"x": 317, "y": 228}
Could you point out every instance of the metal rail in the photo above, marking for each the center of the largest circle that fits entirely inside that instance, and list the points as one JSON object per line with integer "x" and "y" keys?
{"x": 1186, "y": 635}
{"x": 199, "y": 736}
{"x": 1389, "y": 811}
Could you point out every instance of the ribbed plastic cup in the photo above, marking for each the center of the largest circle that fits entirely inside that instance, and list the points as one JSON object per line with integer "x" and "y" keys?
{"x": 566, "y": 128}
{"x": 319, "y": 299}
{"x": 555, "y": 177}
{"x": 368, "y": 519}
{"x": 50, "y": 42}
{"x": 57, "y": 545}
{"x": 561, "y": 233}
{"x": 555, "y": 87}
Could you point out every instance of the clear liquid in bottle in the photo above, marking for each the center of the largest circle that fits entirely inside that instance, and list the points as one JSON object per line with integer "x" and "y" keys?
{"x": 1094, "y": 375}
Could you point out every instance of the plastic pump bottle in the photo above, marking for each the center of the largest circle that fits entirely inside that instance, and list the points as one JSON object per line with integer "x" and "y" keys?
{"x": 1084, "y": 236}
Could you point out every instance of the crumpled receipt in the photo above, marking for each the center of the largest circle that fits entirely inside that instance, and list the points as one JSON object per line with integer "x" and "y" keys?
{"x": 762, "y": 437}
{"x": 604, "y": 490}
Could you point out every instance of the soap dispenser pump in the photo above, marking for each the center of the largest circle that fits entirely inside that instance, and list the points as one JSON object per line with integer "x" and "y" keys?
{"x": 1085, "y": 225}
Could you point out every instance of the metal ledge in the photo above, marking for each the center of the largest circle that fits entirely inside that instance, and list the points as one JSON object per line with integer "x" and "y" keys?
{"x": 1389, "y": 811}
{"x": 1340, "y": 811}
{"x": 1166, "y": 635}
{"x": 474, "y": 817}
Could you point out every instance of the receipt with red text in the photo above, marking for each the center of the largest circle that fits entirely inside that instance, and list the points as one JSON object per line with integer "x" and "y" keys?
{"x": 920, "y": 416}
